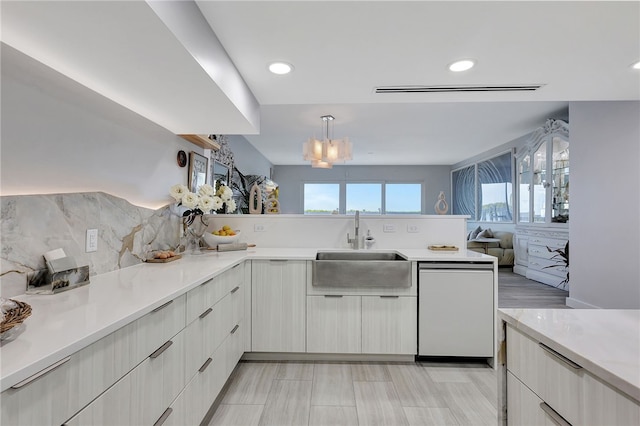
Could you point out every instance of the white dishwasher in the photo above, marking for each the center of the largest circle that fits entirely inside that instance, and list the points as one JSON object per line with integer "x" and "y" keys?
{"x": 455, "y": 309}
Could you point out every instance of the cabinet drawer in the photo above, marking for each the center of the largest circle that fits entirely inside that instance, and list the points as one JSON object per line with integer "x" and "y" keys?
{"x": 604, "y": 405}
{"x": 389, "y": 325}
{"x": 552, "y": 243}
{"x": 554, "y": 378}
{"x": 541, "y": 252}
{"x": 547, "y": 266}
{"x": 523, "y": 406}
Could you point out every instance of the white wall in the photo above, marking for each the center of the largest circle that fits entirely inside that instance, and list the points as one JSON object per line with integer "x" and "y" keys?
{"x": 291, "y": 180}
{"x": 247, "y": 158}
{"x": 60, "y": 137}
{"x": 604, "y": 231}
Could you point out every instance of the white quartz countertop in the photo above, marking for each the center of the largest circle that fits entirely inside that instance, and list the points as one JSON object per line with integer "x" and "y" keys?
{"x": 605, "y": 342}
{"x": 66, "y": 322}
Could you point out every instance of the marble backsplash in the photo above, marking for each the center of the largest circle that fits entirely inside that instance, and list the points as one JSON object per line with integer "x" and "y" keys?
{"x": 35, "y": 224}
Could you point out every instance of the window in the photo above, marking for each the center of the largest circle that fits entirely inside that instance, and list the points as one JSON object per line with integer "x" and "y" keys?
{"x": 321, "y": 198}
{"x": 403, "y": 198}
{"x": 370, "y": 198}
{"x": 484, "y": 190}
{"x": 366, "y": 197}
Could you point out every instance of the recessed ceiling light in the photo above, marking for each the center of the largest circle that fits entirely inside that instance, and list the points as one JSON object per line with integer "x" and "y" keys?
{"x": 280, "y": 68}
{"x": 636, "y": 66}
{"x": 462, "y": 65}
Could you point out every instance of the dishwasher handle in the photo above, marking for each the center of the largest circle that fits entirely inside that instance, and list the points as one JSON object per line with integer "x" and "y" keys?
{"x": 455, "y": 265}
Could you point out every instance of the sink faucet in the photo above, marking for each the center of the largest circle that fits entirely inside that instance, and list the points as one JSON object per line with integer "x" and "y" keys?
{"x": 355, "y": 242}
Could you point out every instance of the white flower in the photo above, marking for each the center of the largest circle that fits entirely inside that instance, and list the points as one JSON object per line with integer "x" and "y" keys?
{"x": 231, "y": 206}
{"x": 206, "y": 190}
{"x": 225, "y": 193}
{"x": 177, "y": 191}
{"x": 190, "y": 200}
{"x": 206, "y": 203}
{"x": 217, "y": 203}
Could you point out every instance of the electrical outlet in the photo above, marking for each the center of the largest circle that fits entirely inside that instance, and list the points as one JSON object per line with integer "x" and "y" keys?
{"x": 91, "y": 242}
{"x": 389, "y": 227}
{"x": 258, "y": 228}
{"x": 412, "y": 228}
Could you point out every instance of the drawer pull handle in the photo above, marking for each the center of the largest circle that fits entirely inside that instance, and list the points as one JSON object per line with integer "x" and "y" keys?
{"x": 389, "y": 297}
{"x": 560, "y": 357}
{"x": 205, "y": 365}
{"x": 41, "y": 373}
{"x": 207, "y": 282}
{"x": 235, "y": 266}
{"x": 235, "y": 328}
{"x": 333, "y": 295}
{"x": 553, "y": 415}
{"x": 235, "y": 289}
{"x": 205, "y": 313}
{"x": 163, "y": 417}
{"x": 161, "y": 349}
{"x": 162, "y": 306}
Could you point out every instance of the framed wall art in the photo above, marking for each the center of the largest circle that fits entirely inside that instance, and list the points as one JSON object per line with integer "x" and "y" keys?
{"x": 198, "y": 171}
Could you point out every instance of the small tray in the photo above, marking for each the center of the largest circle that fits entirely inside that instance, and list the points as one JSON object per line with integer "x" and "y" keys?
{"x": 443, "y": 248}
{"x": 170, "y": 259}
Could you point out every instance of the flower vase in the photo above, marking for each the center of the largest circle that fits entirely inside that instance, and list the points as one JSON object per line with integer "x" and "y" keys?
{"x": 196, "y": 227}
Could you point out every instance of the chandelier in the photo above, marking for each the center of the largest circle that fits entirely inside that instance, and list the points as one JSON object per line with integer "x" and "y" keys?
{"x": 323, "y": 153}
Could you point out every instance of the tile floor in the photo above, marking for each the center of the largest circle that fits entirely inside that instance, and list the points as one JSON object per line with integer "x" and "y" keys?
{"x": 358, "y": 393}
{"x": 388, "y": 394}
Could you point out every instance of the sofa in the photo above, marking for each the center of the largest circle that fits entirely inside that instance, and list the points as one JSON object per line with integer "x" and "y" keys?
{"x": 502, "y": 249}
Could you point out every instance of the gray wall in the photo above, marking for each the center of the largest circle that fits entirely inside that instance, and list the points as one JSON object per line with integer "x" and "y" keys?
{"x": 291, "y": 180}
{"x": 605, "y": 204}
{"x": 248, "y": 159}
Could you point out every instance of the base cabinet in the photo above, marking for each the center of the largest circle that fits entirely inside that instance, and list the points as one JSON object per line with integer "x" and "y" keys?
{"x": 389, "y": 325}
{"x": 545, "y": 387}
{"x": 334, "y": 324}
{"x": 278, "y": 314}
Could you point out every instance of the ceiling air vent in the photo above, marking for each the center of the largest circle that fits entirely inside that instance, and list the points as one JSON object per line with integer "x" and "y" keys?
{"x": 464, "y": 88}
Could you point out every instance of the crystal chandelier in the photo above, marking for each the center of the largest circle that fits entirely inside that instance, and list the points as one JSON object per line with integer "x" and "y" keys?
{"x": 323, "y": 153}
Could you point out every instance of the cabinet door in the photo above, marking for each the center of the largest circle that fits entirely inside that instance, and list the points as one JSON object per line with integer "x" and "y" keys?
{"x": 389, "y": 325}
{"x": 521, "y": 250}
{"x": 334, "y": 324}
{"x": 523, "y": 406}
{"x": 278, "y": 305}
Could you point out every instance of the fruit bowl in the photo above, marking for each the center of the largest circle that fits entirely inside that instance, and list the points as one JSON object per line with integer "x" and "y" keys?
{"x": 214, "y": 240}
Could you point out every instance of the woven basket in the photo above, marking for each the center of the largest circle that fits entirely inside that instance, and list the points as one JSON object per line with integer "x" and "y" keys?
{"x": 15, "y": 316}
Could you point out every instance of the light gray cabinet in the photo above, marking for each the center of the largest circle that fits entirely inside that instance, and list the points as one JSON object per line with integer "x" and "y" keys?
{"x": 389, "y": 325}
{"x": 334, "y": 324}
{"x": 278, "y": 309}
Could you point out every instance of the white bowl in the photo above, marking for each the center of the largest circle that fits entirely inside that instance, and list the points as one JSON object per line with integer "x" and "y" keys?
{"x": 214, "y": 240}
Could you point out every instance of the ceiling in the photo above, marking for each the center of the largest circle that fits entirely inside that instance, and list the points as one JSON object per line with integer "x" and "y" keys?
{"x": 201, "y": 67}
{"x": 342, "y": 50}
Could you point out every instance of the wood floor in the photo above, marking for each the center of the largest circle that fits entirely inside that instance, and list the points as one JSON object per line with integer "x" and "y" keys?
{"x": 387, "y": 394}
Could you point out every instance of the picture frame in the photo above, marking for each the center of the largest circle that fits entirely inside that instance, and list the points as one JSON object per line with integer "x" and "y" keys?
{"x": 219, "y": 172}
{"x": 198, "y": 171}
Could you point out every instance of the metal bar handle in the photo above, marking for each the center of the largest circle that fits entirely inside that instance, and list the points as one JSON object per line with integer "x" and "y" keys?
{"x": 553, "y": 415}
{"x": 162, "y": 306}
{"x": 164, "y": 417}
{"x": 235, "y": 289}
{"x": 235, "y": 328}
{"x": 560, "y": 357}
{"x": 333, "y": 295}
{"x": 205, "y": 365}
{"x": 41, "y": 373}
{"x": 389, "y": 297}
{"x": 161, "y": 349}
{"x": 205, "y": 313}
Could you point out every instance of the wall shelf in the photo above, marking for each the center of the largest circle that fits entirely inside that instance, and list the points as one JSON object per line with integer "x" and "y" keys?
{"x": 202, "y": 141}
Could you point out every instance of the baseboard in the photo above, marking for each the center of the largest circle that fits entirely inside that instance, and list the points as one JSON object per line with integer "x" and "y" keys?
{"x": 520, "y": 270}
{"x": 303, "y": 356}
{"x": 578, "y": 304}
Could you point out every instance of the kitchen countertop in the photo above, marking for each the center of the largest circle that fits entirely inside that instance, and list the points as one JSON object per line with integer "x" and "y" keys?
{"x": 605, "y": 342}
{"x": 66, "y": 322}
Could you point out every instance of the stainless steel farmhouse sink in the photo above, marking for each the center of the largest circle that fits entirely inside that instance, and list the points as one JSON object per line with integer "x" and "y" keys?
{"x": 361, "y": 269}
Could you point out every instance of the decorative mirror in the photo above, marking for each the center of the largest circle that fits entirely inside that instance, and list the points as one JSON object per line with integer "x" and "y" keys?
{"x": 220, "y": 173}
{"x": 221, "y": 162}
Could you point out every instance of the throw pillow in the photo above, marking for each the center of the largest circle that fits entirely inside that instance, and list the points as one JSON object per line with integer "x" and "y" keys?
{"x": 474, "y": 233}
{"x": 487, "y": 233}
